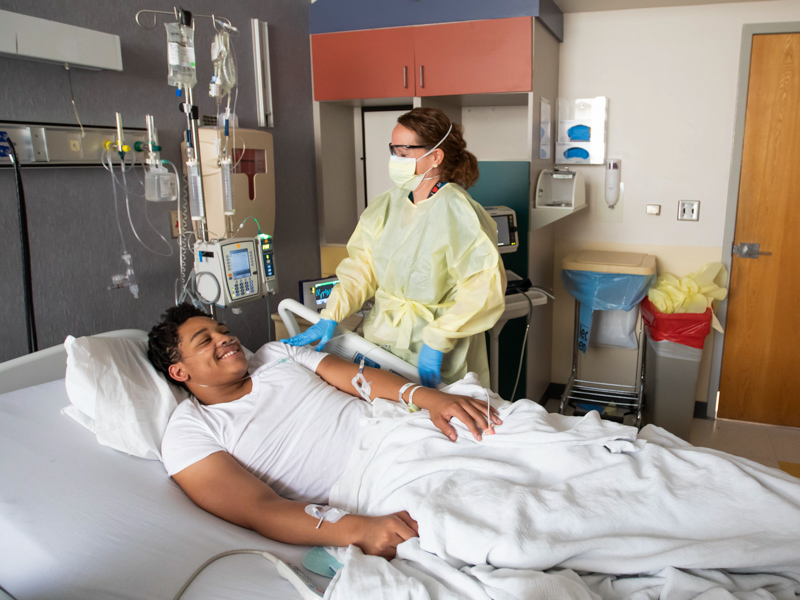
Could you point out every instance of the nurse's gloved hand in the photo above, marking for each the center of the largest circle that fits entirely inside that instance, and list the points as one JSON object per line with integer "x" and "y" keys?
{"x": 430, "y": 366}
{"x": 322, "y": 330}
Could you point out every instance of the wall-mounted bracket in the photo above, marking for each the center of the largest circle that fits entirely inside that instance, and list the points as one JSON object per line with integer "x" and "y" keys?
{"x": 260, "y": 33}
{"x": 64, "y": 145}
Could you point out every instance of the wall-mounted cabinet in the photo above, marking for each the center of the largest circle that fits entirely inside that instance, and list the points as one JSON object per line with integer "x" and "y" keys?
{"x": 475, "y": 57}
{"x": 376, "y": 63}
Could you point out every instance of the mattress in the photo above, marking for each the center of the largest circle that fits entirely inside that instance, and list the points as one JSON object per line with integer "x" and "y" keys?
{"x": 79, "y": 520}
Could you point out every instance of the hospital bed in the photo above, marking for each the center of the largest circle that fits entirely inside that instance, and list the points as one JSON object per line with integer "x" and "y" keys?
{"x": 79, "y": 520}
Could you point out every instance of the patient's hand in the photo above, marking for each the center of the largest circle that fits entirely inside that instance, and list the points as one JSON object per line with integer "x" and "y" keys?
{"x": 469, "y": 411}
{"x": 380, "y": 536}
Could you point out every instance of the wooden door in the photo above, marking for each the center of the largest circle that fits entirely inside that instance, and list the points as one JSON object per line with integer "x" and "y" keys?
{"x": 474, "y": 57}
{"x": 375, "y": 63}
{"x": 760, "y": 379}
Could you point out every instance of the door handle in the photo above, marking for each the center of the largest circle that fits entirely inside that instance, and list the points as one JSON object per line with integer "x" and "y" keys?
{"x": 405, "y": 77}
{"x": 421, "y": 76}
{"x": 748, "y": 251}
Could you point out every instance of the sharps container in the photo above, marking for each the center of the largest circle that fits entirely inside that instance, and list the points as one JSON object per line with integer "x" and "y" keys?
{"x": 607, "y": 287}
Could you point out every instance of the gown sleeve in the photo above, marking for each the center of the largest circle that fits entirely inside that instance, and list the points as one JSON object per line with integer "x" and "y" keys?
{"x": 356, "y": 273}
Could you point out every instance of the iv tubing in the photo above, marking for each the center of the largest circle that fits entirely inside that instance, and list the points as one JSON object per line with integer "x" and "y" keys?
{"x": 116, "y": 201}
{"x": 33, "y": 344}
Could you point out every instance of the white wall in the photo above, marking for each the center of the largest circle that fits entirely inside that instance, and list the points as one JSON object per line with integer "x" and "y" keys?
{"x": 671, "y": 78}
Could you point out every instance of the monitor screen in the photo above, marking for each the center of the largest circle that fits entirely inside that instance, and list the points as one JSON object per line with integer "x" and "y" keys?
{"x": 240, "y": 263}
{"x": 505, "y": 236}
{"x": 321, "y": 291}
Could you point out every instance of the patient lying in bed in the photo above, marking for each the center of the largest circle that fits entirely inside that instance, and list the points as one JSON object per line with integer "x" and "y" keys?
{"x": 256, "y": 448}
{"x": 546, "y": 490}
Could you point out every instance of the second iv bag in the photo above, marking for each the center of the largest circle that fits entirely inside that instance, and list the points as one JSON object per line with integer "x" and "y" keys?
{"x": 180, "y": 53}
{"x": 224, "y": 77}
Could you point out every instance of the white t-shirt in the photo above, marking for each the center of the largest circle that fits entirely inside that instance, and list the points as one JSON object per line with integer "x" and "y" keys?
{"x": 294, "y": 431}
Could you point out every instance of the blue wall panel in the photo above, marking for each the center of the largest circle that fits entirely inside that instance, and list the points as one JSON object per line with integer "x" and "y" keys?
{"x": 328, "y": 16}
{"x": 507, "y": 183}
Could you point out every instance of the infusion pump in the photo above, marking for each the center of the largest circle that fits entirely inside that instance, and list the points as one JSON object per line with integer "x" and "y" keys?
{"x": 232, "y": 271}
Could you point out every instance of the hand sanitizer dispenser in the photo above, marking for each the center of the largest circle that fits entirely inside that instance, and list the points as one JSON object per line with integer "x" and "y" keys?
{"x": 613, "y": 184}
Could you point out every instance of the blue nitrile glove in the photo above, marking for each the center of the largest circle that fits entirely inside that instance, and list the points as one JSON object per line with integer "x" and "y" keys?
{"x": 430, "y": 366}
{"x": 322, "y": 330}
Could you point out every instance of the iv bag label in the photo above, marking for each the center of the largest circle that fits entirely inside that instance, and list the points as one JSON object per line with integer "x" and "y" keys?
{"x": 180, "y": 55}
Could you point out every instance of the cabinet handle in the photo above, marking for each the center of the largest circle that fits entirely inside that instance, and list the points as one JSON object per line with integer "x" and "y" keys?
{"x": 405, "y": 77}
{"x": 421, "y": 78}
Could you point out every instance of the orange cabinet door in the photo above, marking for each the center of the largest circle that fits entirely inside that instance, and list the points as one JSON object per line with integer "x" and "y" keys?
{"x": 375, "y": 63}
{"x": 474, "y": 57}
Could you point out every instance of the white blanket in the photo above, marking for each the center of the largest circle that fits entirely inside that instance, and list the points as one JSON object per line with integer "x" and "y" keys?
{"x": 576, "y": 494}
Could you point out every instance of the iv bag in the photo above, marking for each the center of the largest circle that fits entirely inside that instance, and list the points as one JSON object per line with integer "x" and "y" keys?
{"x": 224, "y": 78}
{"x": 180, "y": 55}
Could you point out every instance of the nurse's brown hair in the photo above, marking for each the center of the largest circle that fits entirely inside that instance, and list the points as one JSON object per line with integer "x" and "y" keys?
{"x": 430, "y": 125}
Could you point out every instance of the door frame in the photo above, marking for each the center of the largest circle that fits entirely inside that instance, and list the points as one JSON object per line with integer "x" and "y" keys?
{"x": 748, "y": 31}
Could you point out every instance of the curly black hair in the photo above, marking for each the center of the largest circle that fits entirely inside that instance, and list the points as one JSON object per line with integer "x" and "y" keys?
{"x": 163, "y": 339}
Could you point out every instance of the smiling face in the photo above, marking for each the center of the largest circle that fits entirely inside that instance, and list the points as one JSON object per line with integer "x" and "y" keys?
{"x": 211, "y": 358}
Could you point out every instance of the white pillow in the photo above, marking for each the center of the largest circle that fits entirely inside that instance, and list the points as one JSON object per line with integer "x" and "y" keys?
{"x": 116, "y": 393}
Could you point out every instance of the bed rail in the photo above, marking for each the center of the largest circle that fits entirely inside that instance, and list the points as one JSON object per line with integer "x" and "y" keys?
{"x": 347, "y": 344}
{"x": 47, "y": 365}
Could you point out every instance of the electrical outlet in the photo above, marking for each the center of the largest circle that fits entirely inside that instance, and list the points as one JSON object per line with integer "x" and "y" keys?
{"x": 689, "y": 210}
{"x": 173, "y": 215}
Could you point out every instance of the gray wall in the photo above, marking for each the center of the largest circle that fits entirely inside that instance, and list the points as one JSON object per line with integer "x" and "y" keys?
{"x": 75, "y": 246}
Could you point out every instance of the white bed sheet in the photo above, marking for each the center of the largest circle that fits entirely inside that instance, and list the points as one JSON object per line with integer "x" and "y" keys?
{"x": 81, "y": 521}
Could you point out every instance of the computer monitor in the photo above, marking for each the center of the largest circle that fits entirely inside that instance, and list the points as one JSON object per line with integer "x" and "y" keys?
{"x": 314, "y": 292}
{"x": 506, "y": 220}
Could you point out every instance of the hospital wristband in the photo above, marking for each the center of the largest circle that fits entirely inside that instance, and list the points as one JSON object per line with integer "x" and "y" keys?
{"x": 411, "y": 406}
{"x": 403, "y": 391}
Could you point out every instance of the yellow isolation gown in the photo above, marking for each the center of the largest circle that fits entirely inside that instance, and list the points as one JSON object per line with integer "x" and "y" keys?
{"x": 435, "y": 273}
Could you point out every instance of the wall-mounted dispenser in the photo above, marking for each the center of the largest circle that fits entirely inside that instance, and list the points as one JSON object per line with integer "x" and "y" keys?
{"x": 559, "y": 193}
{"x": 560, "y": 188}
{"x": 613, "y": 184}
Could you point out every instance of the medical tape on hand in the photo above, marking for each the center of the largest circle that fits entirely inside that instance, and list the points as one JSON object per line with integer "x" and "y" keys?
{"x": 325, "y": 513}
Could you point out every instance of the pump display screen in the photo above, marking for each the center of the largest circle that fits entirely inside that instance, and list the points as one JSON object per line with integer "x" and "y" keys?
{"x": 505, "y": 236}
{"x": 240, "y": 263}
{"x": 322, "y": 291}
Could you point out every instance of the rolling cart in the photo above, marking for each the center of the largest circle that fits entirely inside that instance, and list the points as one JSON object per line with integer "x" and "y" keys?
{"x": 606, "y": 281}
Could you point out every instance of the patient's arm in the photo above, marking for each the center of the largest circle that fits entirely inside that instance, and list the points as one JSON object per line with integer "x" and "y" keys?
{"x": 223, "y": 487}
{"x": 441, "y": 406}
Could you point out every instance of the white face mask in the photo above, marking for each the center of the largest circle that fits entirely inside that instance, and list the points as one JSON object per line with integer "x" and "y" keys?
{"x": 402, "y": 169}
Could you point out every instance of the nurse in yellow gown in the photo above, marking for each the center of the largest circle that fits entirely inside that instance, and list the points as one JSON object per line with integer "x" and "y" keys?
{"x": 427, "y": 252}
